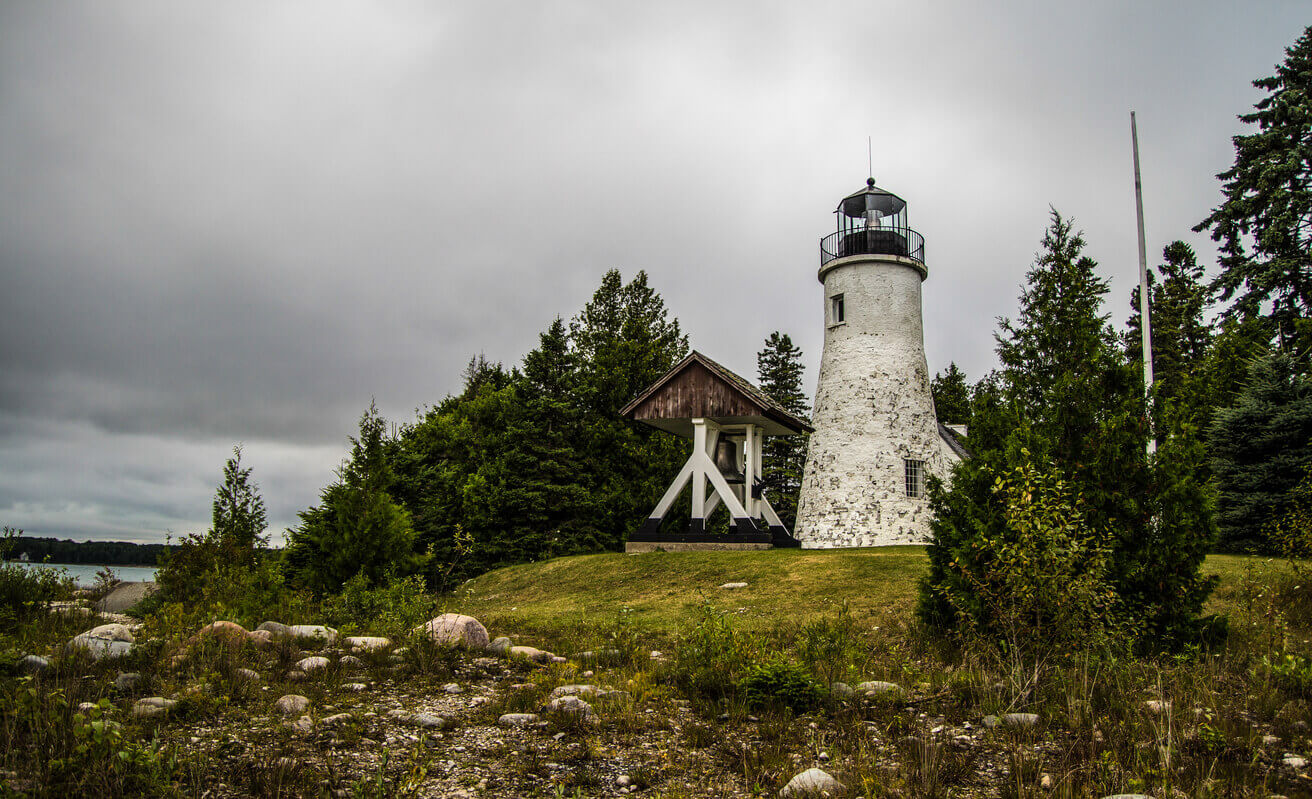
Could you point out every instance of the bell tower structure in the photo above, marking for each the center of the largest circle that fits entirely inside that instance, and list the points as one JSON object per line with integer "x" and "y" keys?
{"x": 876, "y": 437}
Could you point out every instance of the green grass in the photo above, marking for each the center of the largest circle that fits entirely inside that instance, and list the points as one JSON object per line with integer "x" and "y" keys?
{"x": 663, "y": 590}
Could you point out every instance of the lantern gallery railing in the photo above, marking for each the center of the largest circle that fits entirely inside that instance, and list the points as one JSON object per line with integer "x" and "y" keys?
{"x": 873, "y": 241}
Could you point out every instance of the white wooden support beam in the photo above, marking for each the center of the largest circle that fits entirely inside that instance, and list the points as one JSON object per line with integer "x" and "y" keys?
{"x": 699, "y": 443}
{"x": 767, "y": 511}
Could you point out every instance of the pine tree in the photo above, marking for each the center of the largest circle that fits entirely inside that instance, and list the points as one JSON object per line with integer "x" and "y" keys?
{"x": 779, "y": 374}
{"x": 238, "y": 519}
{"x": 1261, "y": 449}
{"x": 1265, "y": 223}
{"x": 951, "y": 396}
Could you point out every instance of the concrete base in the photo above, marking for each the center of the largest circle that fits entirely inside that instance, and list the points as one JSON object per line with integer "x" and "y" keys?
{"x": 637, "y": 547}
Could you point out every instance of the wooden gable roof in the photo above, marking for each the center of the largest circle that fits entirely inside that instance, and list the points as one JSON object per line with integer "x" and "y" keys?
{"x": 698, "y": 387}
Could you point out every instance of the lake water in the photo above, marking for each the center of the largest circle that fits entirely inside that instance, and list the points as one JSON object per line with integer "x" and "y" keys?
{"x": 84, "y": 574}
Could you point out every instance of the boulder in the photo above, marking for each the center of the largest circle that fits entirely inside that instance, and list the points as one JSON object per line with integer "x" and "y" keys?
{"x": 574, "y": 690}
{"x": 1292, "y": 761}
{"x": 877, "y": 687}
{"x": 314, "y": 632}
{"x": 530, "y": 653}
{"x": 313, "y": 664}
{"x": 261, "y": 638}
{"x": 1020, "y": 719}
{"x": 500, "y": 646}
{"x": 152, "y": 706}
{"x": 127, "y": 680}
{"x": 453, "y": 688}
{"x": 275, "y": 629}
{"x": 570, "y": 708}
{"x": 105, "y": 641}
{"x": 112, "y": 632}
{"x": 33, "y": 664}
{"x": 811, "y": 783}
{"x": 246, "y": 675}
{"x": 335, "y": 720}
{"x": 517, "y": 720}
{"x": 229, "y": 633}
{"x": 292, "y": 705}
{"x": 428, "y": 721}
{"x": 350, "y": 662}
{"x": 124, "y": 597}
{"x": 366, "y": 643}
{"x": 453, "y": 629}
{"x": 841, "y": 690}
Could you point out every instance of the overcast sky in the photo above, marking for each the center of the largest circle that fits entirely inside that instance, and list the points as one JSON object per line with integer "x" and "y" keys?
{"x": 238, "y": 222}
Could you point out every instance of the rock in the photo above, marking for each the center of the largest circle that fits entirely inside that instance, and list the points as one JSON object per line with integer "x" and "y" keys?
{"x": 453, "y": 688}
{"x": 1020, "y": 719}
{"x": 500, "y": 646}
{"x": 517, "y": 720}
{"x": 275, "y": 629}
{"x": 1293, "y": 761}
{"x": 453, "y": 629}
{"x": 292, "y": 705}
{"x": 530, "y": 653}
{"x": 127, "y": 680}
{"x": 314, "y": 632}
{"x": 111, "y": 632}
{"x": 1128, "y": 796}
{"x": 105, "y": 641}
{"x": 224, "y": 629}
{"x": 559, "y": 659}
{"x": 811, "y": 783}
{"x": 571, "y": 708}
{"x": 303, "y": 725}
{"x": 429, "y": 721}
{"x": 1270, "y": 740}
{"x": 991, "y": 721}
{"x": 366, "y": 643}
{"x": 124, "y": 597}
{"x": 350, "y": 662}
{"x": 876, "y": 687}
{"x": 354, "y": 687}
{"x": 1046, "y": 782}
{"x": 841, "y": 690}
{"x": 152, "y": 706}
{"x": 261, "y": 638}
{"x": 573, "y": 690}
{"x": 296, "y": 675}
{"x": 33, "y": 664}
{"x": 85, "y": 707}
{"x": 523, "y": 686}
{"x": 733, "y": 586}
{"x": 1157, "y": 706}
{"x": 247, "y": 675}
{"x": 313, "y": 664}
{"x": 335, "y": 720}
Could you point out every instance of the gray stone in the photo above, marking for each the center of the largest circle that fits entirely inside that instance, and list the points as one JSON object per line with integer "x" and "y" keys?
{"x": 453, "y": 688}
{"x": 500, "y": 645}
{"x": 247, "y": 675}
{"x": 454, "y": 629}
{"x": 992, "y": 721}
{"x": 811, "y": 783}
{"x": 428, "y": 721}
{"x": 876, "y": 687}
{"x": 292, "y": 705}
{"x": 517, "y": 719}
{"x": 354, "y": 687}
{"x": 336, "y": 720}
{"x": 303, "y": 725}
{"x": 33, "y": 664}
{"x": 100, "y": 648}
{"x": 366, "y": 643}
{"x": 127, "y": 680}
{"x": 277, "y": 629}
{"x": 1293, "y": 761}
{"x": 152, "y": 706}
{"x": 124, "y": 596}
{"x": 313, "y": 664}
{"x": 733, "y": 586}
{"x": 350, "y": 662}
{"x": 841, "y": 690}
{"x": 314, "y": 632}
{"x": 1157, "y": 706}
{"x": 570, "y": 707}
{"x": 530, "y": 653}
{"x": 1020, "y": 719}
{"x": 574, "y": 690}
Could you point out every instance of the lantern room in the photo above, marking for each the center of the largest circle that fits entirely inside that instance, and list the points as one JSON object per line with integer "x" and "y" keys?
{"x": 872, "y": 221}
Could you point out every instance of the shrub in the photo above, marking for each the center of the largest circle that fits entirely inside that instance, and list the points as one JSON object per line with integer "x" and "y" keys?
{"x": 779, "y": 683}
{"x": 25, "y": 592}
{"x": 713, "y": 656}
{"x": 393, "y": 608}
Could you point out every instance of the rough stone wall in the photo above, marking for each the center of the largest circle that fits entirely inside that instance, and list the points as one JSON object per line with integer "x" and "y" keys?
{"x": 873, "y": 408}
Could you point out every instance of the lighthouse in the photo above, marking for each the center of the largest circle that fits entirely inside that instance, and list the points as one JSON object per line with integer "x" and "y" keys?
{"x": 877, "y": 438}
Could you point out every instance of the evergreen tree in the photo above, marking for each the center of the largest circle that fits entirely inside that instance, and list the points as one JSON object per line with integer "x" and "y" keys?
{"x": 356, "y": 528}
{"x": 1264, "y": 224}
{"x": 1180, "y": 334}
{"x": 951, "y": 396}
{"x": 1066, "y": 408}
{"x": 779, "y": 374}
{"x": 238, "y": 519}
{"x": 1261, "y": 449}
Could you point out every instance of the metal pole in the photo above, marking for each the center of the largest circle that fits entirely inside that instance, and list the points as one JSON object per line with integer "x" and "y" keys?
{"x": 1145, "y": 321}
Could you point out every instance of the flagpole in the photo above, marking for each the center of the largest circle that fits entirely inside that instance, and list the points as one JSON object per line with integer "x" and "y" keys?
{"x": 1145, "y": 321}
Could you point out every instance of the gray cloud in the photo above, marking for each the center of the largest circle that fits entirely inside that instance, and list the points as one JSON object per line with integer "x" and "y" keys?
{"x": 241, "y": 221}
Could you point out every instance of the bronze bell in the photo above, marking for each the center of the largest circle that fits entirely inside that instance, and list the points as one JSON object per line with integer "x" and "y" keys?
{"x": 726, "y": 460}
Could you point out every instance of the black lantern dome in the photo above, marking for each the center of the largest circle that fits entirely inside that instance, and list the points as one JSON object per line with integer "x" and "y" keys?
{"x": 872, "y": 221}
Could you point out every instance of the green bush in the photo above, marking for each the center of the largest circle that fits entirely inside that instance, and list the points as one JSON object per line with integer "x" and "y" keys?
{"x": 25, "y": 592}
{"x": 392, "y": 608}
{"x": 779, "y": 683}
{"x": 713, "y": 656}
{"x": 1293, "y": 673}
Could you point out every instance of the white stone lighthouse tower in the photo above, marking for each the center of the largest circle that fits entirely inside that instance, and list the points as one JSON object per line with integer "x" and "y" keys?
{"x": 876, "y": 435}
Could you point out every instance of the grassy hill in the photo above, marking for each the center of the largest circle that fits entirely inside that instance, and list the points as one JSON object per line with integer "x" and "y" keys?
{"x": 662, "y": 591}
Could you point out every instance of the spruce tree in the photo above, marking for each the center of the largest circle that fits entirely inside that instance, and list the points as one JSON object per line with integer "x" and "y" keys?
{"x": 1066, "y": 406}
{"x": 779, "y": 374}
{"x": 1265, "y": 223}
{"x": 951, "y": 396}
{"x": 1261, "y": 449}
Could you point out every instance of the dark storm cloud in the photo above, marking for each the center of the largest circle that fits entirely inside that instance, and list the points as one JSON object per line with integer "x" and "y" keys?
{"x": 239, "y": 222}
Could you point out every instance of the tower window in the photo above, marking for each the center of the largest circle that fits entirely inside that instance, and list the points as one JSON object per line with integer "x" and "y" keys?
{"x": 836, "y": 311}
{"x": 915, "y": 474}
